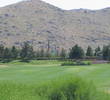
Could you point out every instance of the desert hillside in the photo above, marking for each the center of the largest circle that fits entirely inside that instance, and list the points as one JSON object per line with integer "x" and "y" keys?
{"x": 38, "y": 22}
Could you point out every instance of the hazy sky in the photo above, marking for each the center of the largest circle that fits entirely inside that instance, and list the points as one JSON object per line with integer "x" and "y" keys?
{"x": 69, "y": 4}
{"x": 7, "y": 2}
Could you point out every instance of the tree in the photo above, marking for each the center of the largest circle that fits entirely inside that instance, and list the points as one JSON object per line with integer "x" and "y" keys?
{"x": 63, "y": 53}
{"x": 7, "y": 55}
{"x": 108, "y": 58}
{"x": 1, "y": 51}
{"x": 106, "y": 52}
{"x": 76, "y": 52}
{"x": 97, "y": 51}
{"x": 42, "y": 53}
{"x": 89, "y": 52}
{"x": 37, "y": 54}
{"x": 48, "y": 54}
{"x": 27, "y": 52}
{"x": 14, "y": 52}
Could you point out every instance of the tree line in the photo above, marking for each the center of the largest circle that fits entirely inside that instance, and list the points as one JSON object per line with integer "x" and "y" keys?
{"x": 26, "y": 53}
{"x": 78, "y": 53}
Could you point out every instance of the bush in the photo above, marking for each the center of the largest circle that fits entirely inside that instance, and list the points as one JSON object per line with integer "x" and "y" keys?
{"x": 76, "y": 63}
{"x": 68, "y": 63}
{"x": 89, "y": 63}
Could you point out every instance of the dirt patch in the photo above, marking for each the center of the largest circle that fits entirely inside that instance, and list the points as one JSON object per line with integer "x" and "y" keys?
{"x": 107, "y": 91}
{"x": 3, "y": 66}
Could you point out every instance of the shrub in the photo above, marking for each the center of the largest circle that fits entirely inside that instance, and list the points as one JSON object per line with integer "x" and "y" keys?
{"x": 68, "y": 63}
{"x": 89, "y": 63}
{"x": 76, "y": 63}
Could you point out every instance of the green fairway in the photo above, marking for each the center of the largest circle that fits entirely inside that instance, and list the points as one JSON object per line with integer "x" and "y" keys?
{"x": 38, "y": 72}
{"x": 41, "y": 71}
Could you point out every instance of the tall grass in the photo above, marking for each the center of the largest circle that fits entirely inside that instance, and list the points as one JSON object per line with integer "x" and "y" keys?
{"x": 70, "y": 89}
{"x": 60, "y": 89}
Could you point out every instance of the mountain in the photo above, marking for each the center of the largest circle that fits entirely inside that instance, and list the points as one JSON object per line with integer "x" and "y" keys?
{"x": 40, "y": 24}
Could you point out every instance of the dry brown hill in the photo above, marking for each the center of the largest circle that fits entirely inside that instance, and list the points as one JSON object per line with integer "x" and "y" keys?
{"x": 37, "y": 22}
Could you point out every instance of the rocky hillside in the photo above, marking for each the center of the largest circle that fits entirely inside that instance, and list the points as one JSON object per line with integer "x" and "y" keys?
{"x": 38, "y": 23}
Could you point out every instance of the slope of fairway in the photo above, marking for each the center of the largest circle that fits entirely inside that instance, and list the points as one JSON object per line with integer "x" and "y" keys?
{"x": 41, "y": 71}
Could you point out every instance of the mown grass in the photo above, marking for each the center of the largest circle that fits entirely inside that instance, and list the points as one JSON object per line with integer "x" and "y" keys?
{"x": 25, "y": 81}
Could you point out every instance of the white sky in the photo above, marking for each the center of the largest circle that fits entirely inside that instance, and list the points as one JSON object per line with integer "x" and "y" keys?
{"x": 69, "y": 4}
{"x": 7, "y": 2}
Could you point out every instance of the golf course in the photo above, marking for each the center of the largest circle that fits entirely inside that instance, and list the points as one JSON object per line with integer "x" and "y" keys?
{"x": 23, "y": 81}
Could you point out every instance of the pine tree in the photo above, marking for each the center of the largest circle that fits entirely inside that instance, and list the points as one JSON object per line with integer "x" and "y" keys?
{"x": 76, "y": 52}
{"x": 27, "y": 52}
{"x": 14, "y": 53}
{"x": 48, "y": 54}
{"x": 63, "y": 53}
{"x": 7, "y": 55}
{"x": 97, "y": 51}
{"x": 106, "y": 52}
{"x": 42, "y": 53}
{"x": 108, "y": 58}
{"x": 1, "y": 52}
{"x": 89, "y": 52}
{"x": 37, "y": 54}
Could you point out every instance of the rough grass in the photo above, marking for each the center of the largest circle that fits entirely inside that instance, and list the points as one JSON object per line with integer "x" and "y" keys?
{"x": 59, "y": 89}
